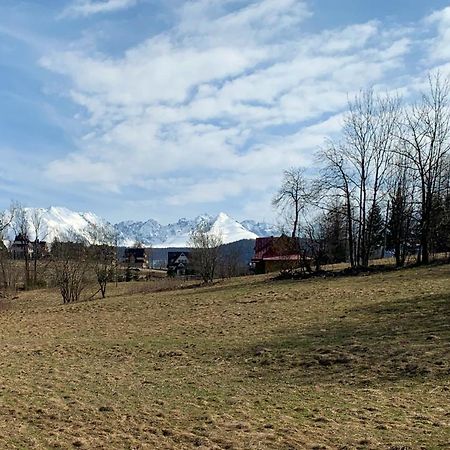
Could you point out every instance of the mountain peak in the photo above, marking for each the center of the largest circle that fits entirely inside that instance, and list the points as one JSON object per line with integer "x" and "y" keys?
{"x": 63, "y": 223}
{"x": 223, "y": 216}
{"x": 230, "y": 230}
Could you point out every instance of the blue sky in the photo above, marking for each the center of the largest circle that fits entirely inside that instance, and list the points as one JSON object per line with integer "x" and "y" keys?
{"x": 142, "y": 108}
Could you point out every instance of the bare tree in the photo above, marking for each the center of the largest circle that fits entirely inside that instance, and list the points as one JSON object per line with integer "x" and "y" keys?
{"x": 102, "y": 253}
{"x": 334, "y": 232}
{"x": 326, "y": 237}
{"x": 370, "y": 137}
{"x": 314, "y": 242}
{"x": 400, "y": 221}
{"x": 292, "y": 196}
{"x": 6, "y": 219}
{"x": 336, "y": 184}
{"x": 356, "y": 168}
{"x": 7, "y": 269}
{"x": 441, "y": 214}
{"x": 37, "y": 224}
{"x": 205, "y": 252}
{"x": 71, "y": 269}
{"x": 425, "y": 135}
{"x": 22, "y": 230}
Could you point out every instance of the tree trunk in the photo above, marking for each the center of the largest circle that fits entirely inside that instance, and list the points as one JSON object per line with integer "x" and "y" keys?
{"x": 295, "y": 226}
{"x": 350, "y": 230}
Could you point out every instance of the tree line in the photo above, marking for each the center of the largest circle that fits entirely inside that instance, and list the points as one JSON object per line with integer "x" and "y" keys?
{"x": 75, "y": 264}
{"x": 71, "y": 265}
{"x": 383, "y": 184}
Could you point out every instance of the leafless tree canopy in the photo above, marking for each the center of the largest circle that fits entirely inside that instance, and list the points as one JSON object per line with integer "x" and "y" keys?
{"x": 71, "y": 269}
{"x": 103, "y": 254}
{"x": 389, "y": 172}
{"x": 8, "y": 272}
{"x": 292, "y": 196}
{"x": 21, "y": 228}
{"x": 205, "y": 252}
{"x": 425, "y": 139}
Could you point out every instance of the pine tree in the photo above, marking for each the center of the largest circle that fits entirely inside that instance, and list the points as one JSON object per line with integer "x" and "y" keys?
{"x": 376, "y": 229}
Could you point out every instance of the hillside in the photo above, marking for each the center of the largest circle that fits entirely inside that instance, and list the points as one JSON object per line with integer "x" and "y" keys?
{"x": 244, "y": 364}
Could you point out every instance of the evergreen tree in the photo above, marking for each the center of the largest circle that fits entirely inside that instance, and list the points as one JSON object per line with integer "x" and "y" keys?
{"x": 376, "y": 229}
{"x": 335, "y": 236}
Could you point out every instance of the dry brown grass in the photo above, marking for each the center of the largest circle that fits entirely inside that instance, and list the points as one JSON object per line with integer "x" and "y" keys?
{"x": 245, "y": 364}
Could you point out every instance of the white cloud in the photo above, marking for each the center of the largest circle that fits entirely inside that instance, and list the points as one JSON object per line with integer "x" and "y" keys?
{"x": 156, "y": 71}
{"x": 90, "y": 7}
{"x": 258, "y": 21}
{"x": 440, "y": 45}
{"x": 224, "y": 100}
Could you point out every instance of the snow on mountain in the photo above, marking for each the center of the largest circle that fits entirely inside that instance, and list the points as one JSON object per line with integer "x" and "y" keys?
{"x": 64, "y": 224}
{"x": 147, "y": 233}
{"x": 58, "y": 222}
{"x": 230, "y": 230}
{"x": 153, "y": 233}
{"x": 177, "y": 234}
{"x": 262, "y": 229}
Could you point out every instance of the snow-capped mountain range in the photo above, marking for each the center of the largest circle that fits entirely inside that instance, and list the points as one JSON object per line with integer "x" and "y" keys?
{"x": 64, "y": 224}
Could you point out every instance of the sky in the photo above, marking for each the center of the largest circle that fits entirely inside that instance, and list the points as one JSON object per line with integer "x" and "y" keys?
{"x": 138, "y": 109}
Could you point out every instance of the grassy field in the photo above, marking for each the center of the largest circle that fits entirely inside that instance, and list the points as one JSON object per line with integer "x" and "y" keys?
{"x": 248, "y": 363}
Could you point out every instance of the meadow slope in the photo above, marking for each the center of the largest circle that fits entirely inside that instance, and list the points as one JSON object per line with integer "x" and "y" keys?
{"x": 248, "y": 363}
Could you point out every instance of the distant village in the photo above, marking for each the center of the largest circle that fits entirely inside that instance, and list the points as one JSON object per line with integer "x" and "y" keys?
{"x": 270, "y": 254}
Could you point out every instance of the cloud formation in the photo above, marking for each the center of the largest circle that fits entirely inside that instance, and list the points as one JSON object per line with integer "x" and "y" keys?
{"x": 440, "y": 48}
{"x": 91, "y": 7}
{"x": 225, "y": 99}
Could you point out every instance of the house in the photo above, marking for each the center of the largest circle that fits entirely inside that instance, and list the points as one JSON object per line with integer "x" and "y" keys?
{"x": 178, "y": 263}
{"x": 275, "y": 253}
{"x": 22, "y": 247}
{"x": 136, "y": 257}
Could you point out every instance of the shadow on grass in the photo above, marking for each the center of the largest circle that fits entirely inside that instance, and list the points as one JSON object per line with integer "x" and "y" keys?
{"x": 390, "y": 341}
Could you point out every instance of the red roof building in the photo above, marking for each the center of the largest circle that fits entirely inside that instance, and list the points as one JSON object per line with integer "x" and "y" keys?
{"x": 275, "y": 253}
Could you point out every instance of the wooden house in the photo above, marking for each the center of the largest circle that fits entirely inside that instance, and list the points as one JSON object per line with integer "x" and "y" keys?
{"x": 178, "y": 263}
{"x": 22, "y": 247}
{"x": 272, "y": 254}
{"x": 136, "y": 257}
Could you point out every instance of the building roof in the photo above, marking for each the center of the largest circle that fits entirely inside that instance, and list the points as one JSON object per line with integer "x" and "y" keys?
{"x": 172, "y": 257}
{"x": 137, "y": 252}
{"x": 21, "y": 239}
{"x": 276, "y": 248}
